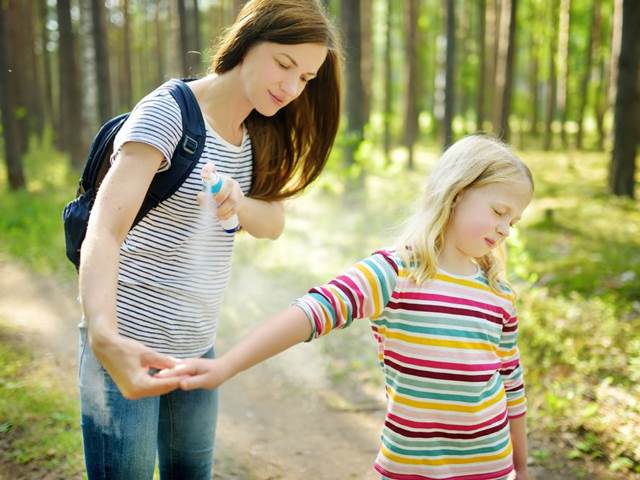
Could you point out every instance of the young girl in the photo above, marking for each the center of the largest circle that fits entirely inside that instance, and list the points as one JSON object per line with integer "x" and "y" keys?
{"x": 444, "y": 322}
{"x": 271, "y": 110}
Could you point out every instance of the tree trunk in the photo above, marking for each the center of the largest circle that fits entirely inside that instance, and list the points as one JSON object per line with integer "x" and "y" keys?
{"x": 70, "y": 99}
{"x": 387, "y": 83}
{"x": 99, "y": 33}
{"x": 184, "y": 38}
{"x": 449, "y": 89}
{"x": 594, "y": 34}
{"x": 237, "y": 6}
{"x": 462, "y": 42}
{"x": 493, "y": 26}
{"x": 160, "y": 44}
{"x": 88, "y": 72}
{"x": 350, "y": 23}
{"x": 367, "y": 55}
{"x": 616, "y": 41}
{"x": 504, "y": 70}
{"x": 35, "y": 101}
{"x": 12, "y": 150}
{"x": 127, "y": 70}
{"x": 195, "y": 58}
{"x": 551, "y": 79}
{"x": 563, "y": 67}
{"x": 627, "y": 110}
{"x": 43, "y": 13}
{"x": 534, "y": 74}
{"x": 482, "y": 48}
{"x": 411, "y": 106}
{"x": 602, "y": 99}
{"x": 19, "y": 65}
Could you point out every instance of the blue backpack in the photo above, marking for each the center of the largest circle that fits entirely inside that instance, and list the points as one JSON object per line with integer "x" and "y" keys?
{"x": 164, "y": 184}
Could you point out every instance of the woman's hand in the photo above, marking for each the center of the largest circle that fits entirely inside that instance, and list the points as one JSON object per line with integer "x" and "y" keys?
{"x": 198, "y": 373}
{"x": 227, "y": 200}
{"x": 128, "y": 363}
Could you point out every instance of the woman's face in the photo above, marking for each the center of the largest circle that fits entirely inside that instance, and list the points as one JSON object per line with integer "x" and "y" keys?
{"x": 274, "y": 74}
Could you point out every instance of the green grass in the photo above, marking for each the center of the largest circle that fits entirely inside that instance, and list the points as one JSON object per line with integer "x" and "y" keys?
{"x": 575, "y": 262}
{"x": 39, "y": 417}
{"x": 31, "y": 220}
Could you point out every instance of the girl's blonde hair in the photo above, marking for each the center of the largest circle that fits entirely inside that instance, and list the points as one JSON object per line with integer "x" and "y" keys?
{"x": 471, "y": 162}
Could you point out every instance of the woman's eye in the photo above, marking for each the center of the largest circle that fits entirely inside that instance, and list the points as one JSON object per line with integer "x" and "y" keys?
{"x": 282, "y": 65}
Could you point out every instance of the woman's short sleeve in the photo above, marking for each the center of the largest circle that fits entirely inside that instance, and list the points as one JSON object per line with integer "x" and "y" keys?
{"x": 156, "y": 121}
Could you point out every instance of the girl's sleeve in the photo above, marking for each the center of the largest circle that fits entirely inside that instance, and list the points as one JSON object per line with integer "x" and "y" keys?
{"x": 361, "y": 292}
{"x": 510, "y": 369}
{"x": 156, "y": 121}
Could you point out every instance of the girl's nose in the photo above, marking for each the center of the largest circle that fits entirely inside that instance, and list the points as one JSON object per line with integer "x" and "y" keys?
{"x": 503, "y": 229}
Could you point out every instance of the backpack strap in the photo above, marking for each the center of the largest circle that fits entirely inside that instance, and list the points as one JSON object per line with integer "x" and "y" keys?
{"x": 187, "y": 152}
{"x": 99, "y": 148}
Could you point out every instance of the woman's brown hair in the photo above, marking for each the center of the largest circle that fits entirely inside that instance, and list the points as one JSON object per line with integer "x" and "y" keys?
{"x": 290, "y": 148}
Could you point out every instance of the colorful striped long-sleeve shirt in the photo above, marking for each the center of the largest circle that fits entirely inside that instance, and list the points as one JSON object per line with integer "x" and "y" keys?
{"x": 450, "y": 360}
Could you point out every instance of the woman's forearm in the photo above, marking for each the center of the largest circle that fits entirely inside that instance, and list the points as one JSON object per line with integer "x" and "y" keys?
{"x": 261, "y": 219}
{"x": 98, "y": 284}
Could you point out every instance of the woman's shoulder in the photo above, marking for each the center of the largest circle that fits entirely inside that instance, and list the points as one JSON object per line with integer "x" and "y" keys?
{"x": 159, "y": 98}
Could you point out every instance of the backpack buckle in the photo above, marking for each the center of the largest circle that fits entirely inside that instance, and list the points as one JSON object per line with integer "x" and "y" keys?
{"x": 189, "y": 145}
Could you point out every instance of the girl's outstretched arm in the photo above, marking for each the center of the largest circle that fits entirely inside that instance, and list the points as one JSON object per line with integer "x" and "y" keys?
{"x": 278, "y": 333}
{"x": 518, "y": 427}
{"x": 361, "y": 292}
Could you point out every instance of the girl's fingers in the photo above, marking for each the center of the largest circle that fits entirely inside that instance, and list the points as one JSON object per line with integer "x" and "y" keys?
{"x": 194, "y": 382}
{"x": 179, "y": 370}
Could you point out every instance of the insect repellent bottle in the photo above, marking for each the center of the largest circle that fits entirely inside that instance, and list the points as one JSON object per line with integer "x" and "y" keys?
{"x": 212, "y": 183}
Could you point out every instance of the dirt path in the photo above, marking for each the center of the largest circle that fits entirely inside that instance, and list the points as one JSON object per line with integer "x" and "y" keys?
{"x": 276, "y": 421}
{"x": 270, "y": 426}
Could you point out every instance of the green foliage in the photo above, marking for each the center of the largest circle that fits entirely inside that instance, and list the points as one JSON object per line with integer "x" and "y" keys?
{"x": 39, "y": 416}
{"x": 31, "y": 220}
{"x": 574, "y": 261}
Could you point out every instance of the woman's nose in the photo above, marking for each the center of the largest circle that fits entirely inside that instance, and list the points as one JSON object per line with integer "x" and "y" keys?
{"x": 290, "y": 87}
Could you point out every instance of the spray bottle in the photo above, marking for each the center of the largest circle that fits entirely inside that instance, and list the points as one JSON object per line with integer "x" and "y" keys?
{"x": 211, "y": 184}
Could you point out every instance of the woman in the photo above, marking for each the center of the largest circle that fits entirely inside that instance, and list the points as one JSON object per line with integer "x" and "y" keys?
{"x": 152, "y": 294}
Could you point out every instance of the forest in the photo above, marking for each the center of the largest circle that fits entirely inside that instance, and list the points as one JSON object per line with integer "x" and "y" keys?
{"x": 557, "y": 79}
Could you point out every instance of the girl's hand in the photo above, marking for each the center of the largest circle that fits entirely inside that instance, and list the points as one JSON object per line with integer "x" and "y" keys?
{"x": 227, "y": 200}
{"x": 522, "y": 474}
{"x": 198, "y": 373}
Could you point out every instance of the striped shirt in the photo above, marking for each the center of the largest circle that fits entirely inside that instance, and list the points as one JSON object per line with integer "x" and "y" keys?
{"x": 175, "y": 263}
{"x": 450, "y": 361}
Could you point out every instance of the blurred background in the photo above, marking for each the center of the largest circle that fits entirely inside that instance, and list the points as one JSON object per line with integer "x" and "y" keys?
{"x": 558, "y": 79}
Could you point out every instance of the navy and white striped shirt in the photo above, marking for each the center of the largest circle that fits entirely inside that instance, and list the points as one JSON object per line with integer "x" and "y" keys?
{"x": 175, "y": 263}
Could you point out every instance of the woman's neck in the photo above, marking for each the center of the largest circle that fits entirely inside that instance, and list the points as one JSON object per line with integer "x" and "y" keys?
{"x": 223, "y": 102}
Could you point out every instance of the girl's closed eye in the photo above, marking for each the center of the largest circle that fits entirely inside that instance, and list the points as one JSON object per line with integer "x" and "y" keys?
{"x": 282, "y": 65}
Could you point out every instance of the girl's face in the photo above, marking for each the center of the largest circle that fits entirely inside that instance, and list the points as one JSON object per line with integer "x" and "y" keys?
{"x": 483, "y": 216}
{"x": 274, "y": 74}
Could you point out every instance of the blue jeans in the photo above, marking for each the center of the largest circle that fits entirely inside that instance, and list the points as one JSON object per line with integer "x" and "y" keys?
{"x": 121, "y": 437}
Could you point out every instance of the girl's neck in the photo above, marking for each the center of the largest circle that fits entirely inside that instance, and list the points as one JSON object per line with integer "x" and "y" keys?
{"x": 454, "y": 261}
{"x": 223, "y": 102}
